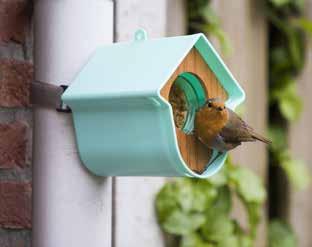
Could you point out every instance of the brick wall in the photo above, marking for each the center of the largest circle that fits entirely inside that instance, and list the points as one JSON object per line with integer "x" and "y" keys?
{"x": 16, "y": 72}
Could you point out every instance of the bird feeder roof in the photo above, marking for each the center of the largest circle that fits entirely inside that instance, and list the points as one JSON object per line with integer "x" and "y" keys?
{"x": 142, "y": 67}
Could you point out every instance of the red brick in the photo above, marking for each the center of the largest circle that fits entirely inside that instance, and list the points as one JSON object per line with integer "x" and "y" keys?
{"x": 14, "y": 20}
{"x": 15, "y": 205}
{"x": 15, "y": 78}
{"x": 13, "y": 145}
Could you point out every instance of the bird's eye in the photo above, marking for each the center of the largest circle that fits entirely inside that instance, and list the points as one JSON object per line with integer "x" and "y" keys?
{"x": 209, "y": 104}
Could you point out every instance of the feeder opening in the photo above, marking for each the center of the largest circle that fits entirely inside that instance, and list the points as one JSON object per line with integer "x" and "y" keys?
{"x": 186, "y": 95}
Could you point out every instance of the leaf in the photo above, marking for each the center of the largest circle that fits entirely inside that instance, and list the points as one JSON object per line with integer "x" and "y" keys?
{"x": 245, "y": 241}
{"x": 278, "y": 137}
{"x": 280, "y": 3}
{"x": 223, "y": 202}
{"x": 299, "y": 4}
{"x": 297, "y": 172}
{"x": 254, "y": 217}
{"x": 305, "y": 24}
{"x": 276, "y": 20}
{"x": 291, "y": 107}
{"x": 223, "y": 40}
{"x": 184, "y": 193}
{"x": 217, "y": 227}
{"x": 166, "y": 202}
{"x": 252, "y": 193}
{"x": 281, "y": 235}
{"x": 283, "y": 155}
{"x": 279, "y": 63}
{"x": 248, "y": 185}
{"x": 212, "y": 27}
{"x": 194, "y": 240}
{"x": 195, "y": 8}
{"x": 219, "y": 179}
{"x": 296, "y": 47}
{"x": 231, "y": 240}
{"x": 229, "y": 164}
{"x": 182, "y": 223}
{"x": 210, "y": 16}
{"x": 294, "y": 44}
{"x": 203, "y": 195}
{"x": 289, "y": 102}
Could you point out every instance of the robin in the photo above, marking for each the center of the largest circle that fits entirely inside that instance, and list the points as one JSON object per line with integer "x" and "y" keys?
{"x": 220, "y": 128}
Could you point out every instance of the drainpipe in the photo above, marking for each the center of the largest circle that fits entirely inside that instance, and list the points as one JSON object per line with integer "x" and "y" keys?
{"x": 71, "y": 207}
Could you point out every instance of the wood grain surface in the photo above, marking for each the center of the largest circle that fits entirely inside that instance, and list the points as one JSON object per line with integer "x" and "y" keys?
{"x": 195, "y": 154}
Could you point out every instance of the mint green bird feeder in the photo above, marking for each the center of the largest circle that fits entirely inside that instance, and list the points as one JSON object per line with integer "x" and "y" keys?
{"x": 125, "y": 121}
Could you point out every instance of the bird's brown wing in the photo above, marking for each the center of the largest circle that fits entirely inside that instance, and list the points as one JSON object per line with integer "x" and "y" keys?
{"x": 236, "y": 130}
{"x": 222, "y": 146}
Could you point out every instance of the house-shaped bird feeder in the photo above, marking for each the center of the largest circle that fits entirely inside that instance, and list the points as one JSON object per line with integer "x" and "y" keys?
{"x": 134, "y": 104}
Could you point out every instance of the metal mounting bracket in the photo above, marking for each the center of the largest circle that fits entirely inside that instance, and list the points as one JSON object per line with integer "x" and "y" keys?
{"x": 48, "y": 95}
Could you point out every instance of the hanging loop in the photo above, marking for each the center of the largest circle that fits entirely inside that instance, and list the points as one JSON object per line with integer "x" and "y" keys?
{"x": 140, "y": 35}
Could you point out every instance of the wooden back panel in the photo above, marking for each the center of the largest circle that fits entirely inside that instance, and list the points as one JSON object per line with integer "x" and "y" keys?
{"x": 195, "y": 154}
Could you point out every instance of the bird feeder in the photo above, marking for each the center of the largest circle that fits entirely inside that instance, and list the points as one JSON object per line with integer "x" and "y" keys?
{"x": 134, "y": 104}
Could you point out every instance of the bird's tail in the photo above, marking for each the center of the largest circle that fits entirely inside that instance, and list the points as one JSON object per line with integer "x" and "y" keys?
{"x": 261, "y": 138}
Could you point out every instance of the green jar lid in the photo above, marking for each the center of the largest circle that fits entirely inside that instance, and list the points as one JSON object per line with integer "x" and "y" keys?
{"x": 195, "y": 96}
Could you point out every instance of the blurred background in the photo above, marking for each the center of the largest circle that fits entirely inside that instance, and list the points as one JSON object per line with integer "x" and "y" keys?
{"x": 262, "y": 196}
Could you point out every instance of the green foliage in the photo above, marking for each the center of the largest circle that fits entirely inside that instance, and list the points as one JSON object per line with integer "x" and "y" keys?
{"x": 288, "y": 6}
{"x": 287, "y": 57}
{"x": 278, "y": 138}
{"x": 288, "y": 100}
{"x": 192, "y": 240}
{"x": 248, "y": 185}
{"x": 304, "y": 24}
{"x": 279, "y": 3}
{"x": 198, "y": 211}
{"x": 281, "y": 235}
{"x": 202, "y": 19}
{"x": 182, "y": 223}
{"x": 296, "y": 170}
